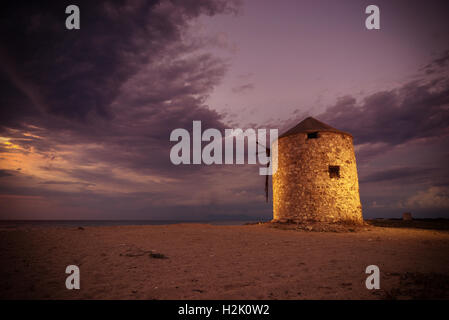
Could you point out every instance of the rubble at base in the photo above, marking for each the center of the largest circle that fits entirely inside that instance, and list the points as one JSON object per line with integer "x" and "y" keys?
{"x": 315, "y": 226}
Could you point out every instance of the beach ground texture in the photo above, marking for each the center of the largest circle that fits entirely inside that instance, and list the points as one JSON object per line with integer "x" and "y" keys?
{"x": 201, "y": 261}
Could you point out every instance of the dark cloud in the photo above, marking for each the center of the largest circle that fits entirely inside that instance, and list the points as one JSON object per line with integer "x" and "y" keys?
{"x": 439, "y": 64}
{"x": 443, "y": 60}
{"x": 77, "y": 74}
{"x": 68, "y": 183}
{"x": 5, "y": 173}
{"x": 405, "y": 174}
{"x": 123, "y": 82}
{"x": 416, "y": 110}
{"x": 108, "y": 147}
{"x": 240, "y": 191}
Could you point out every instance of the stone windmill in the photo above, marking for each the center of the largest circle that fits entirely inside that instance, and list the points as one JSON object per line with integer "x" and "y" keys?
{"x": 316, "y": 178}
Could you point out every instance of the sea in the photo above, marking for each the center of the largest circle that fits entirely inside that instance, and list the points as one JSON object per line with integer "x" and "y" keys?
{"x": 98, "y": 223}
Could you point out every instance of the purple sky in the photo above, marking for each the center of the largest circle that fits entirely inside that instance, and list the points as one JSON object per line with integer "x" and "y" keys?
{"x": 86, "y": 115}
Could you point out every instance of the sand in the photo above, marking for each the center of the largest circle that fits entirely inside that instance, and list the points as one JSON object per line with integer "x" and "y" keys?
{"x": 200, "y": 261}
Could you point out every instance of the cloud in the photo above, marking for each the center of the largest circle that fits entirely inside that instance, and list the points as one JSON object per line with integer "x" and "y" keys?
{"x": 90, "y": 123}
{"x": 88, "y": 113}
{"x": 68, "y": 183}
{"x": 432, "y": 198}
{"x": 78, "y": 74}
{"x": 416, "y": 110}
{"x": 5, "y": 173}
{"x": 243, "y": 88}
{"x": 118, "y": 86}
{"x": 438, "y": 65}
{"x": 404, "y": 174}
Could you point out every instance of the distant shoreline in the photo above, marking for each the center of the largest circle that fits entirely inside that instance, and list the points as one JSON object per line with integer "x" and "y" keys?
{"x": 419, "y": 223}
{"x": 86, "y": 223}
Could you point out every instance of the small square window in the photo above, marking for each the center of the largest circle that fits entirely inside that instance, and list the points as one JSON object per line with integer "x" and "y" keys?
{"x": 312, "y": 135}
{"x": 334, "y": 171}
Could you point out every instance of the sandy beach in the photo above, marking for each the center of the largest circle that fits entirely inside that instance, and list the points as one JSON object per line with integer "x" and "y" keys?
{"x": 201, "y": 261}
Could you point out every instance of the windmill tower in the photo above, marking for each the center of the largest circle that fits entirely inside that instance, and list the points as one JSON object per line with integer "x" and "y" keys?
{"x": 316, "y": 179}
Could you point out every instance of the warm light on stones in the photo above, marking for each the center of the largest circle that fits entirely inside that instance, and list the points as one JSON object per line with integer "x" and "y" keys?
{"x": 303, "y": 188}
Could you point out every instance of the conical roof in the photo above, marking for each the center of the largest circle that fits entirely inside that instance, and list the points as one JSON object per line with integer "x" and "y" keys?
{"x": 311, "y": 125}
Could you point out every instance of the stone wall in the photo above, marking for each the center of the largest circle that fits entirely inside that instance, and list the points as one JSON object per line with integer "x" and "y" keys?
{"x": 302, "y": 187}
